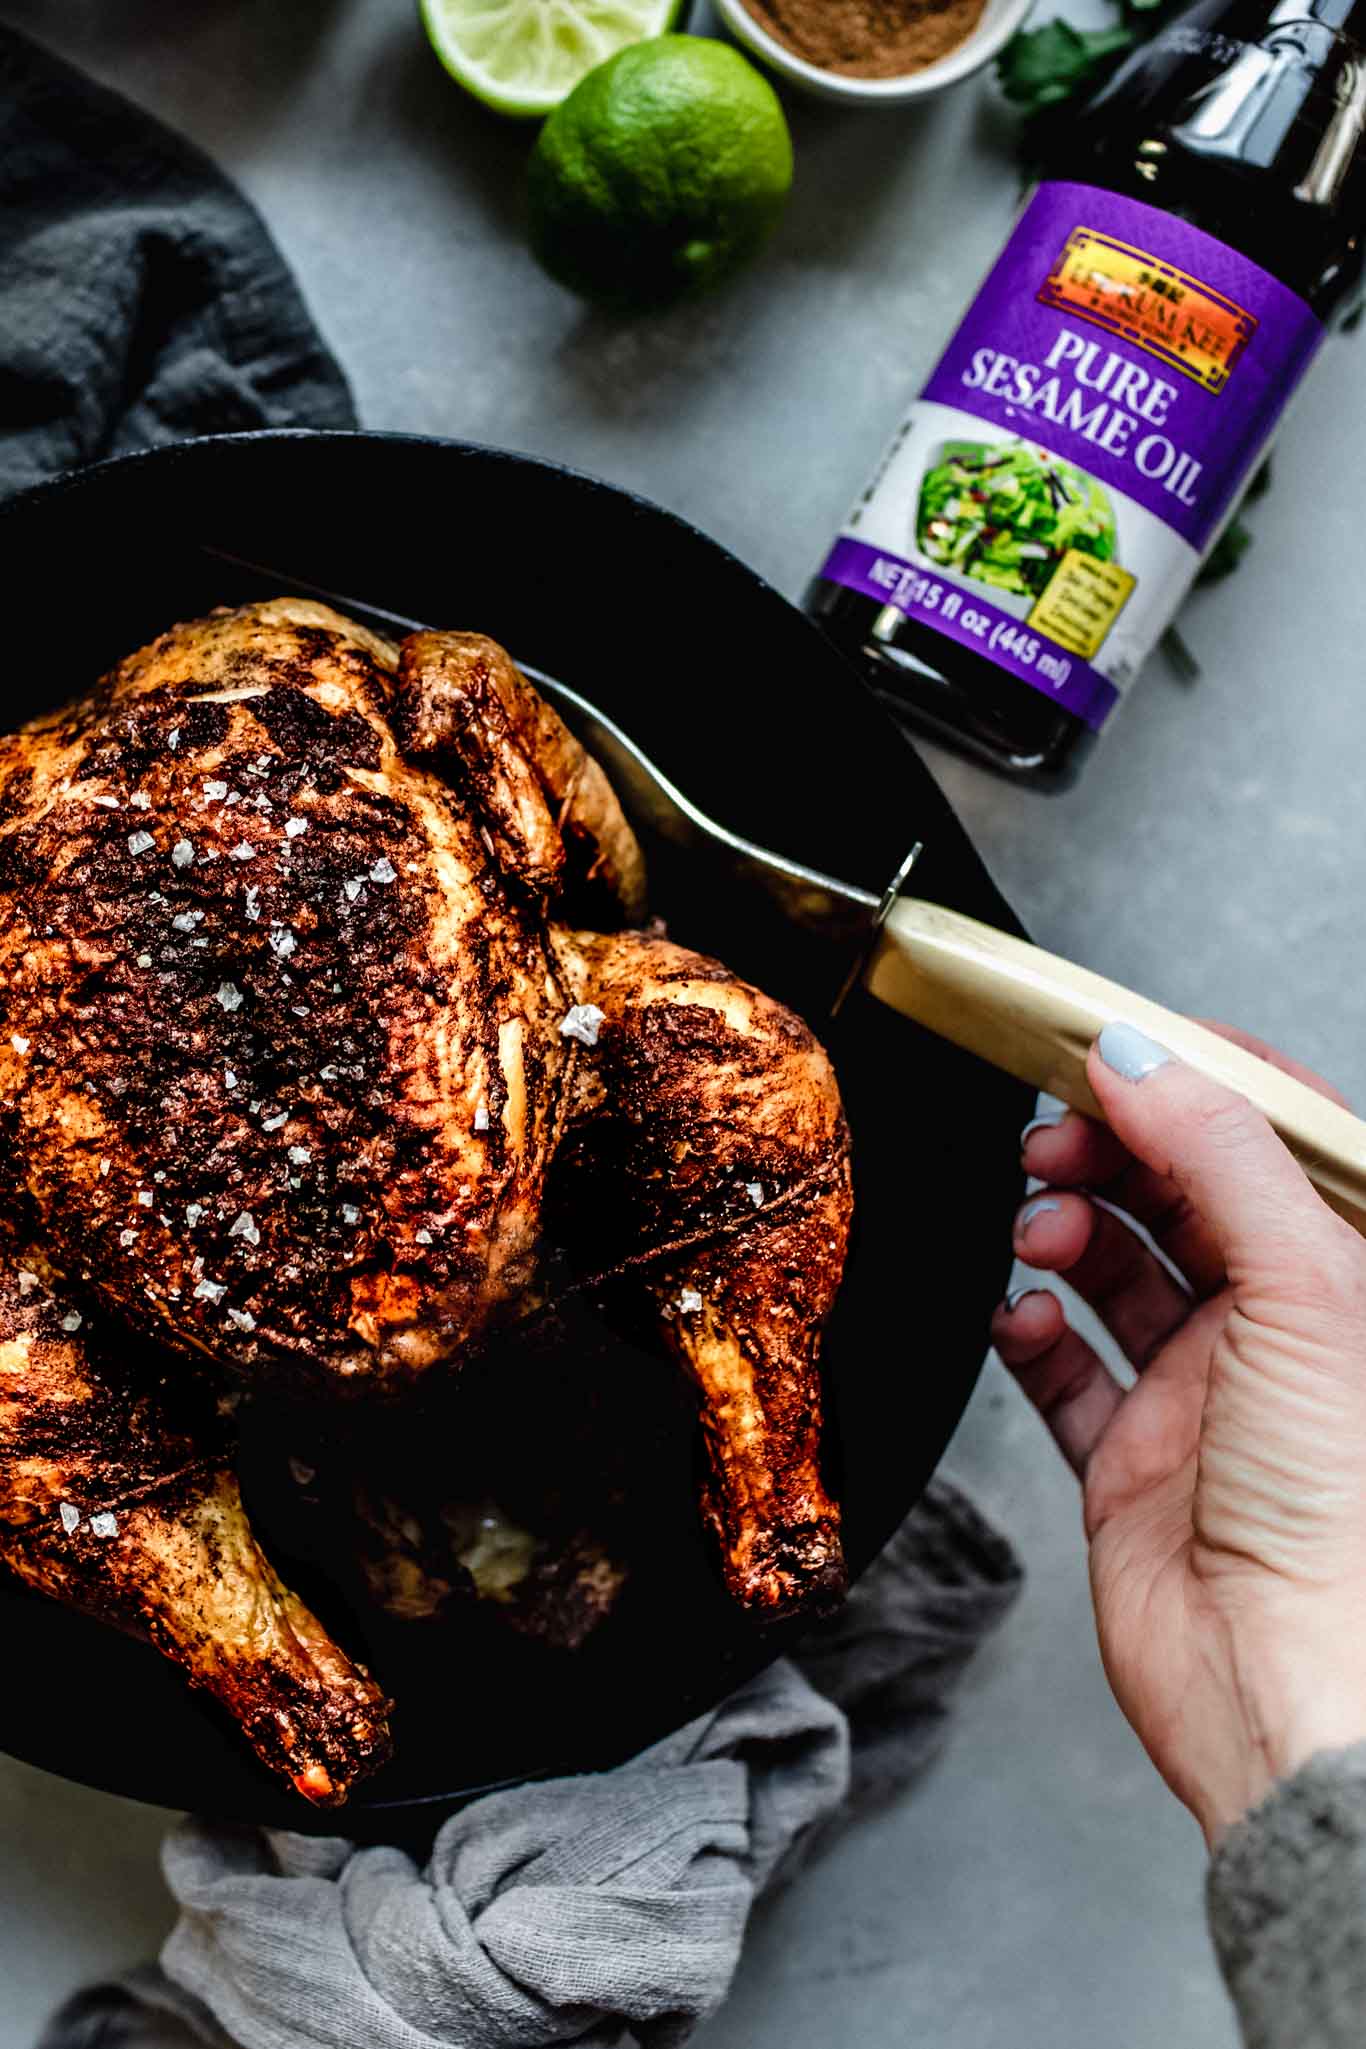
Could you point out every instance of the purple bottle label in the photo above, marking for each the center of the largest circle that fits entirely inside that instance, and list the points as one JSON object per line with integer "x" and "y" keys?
{"x": 1081, "y": 440}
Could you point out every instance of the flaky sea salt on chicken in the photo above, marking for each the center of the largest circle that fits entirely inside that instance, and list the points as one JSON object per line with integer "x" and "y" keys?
{"x": 296, "y": 1034}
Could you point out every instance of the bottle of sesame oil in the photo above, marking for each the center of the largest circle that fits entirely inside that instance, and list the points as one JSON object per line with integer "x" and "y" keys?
{"x": 1052, "y": 493}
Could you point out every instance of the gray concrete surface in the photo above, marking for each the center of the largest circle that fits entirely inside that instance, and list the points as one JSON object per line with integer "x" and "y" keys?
{"x": 1042, "y": 1888}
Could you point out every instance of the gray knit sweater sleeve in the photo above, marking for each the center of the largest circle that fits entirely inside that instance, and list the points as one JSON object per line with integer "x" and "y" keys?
{"x": 1287, "y": 1907}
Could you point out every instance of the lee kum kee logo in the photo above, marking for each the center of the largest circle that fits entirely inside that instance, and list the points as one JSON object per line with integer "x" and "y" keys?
{"x": 1150, "y": 303}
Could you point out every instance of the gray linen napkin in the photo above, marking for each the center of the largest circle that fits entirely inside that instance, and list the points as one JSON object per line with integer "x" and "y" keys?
{"x": 581, "y": 1909}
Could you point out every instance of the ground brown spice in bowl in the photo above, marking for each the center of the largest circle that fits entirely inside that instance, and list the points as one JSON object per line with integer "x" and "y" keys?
{"x": 868, "y": 38}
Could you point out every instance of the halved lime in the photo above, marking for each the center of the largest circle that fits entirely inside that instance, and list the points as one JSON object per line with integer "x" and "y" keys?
{"x": 524, "y": 56}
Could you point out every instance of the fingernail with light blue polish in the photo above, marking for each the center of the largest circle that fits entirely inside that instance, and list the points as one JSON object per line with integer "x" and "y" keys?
{"x": 1047, "y": 1120}
{"x": 1131, "y": 1053}
{"x": 1038, "y": 1208}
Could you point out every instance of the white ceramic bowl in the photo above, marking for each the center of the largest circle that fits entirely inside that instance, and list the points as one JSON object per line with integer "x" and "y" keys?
{"x": 998, "y": 21}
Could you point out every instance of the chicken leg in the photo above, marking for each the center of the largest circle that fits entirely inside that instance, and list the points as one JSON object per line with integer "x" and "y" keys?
{"x": 708, "y": 1122}
{"x": 110, "y": 1505}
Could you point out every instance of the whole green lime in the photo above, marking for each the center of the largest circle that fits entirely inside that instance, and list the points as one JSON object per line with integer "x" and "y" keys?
{"x": 660, "y": 174}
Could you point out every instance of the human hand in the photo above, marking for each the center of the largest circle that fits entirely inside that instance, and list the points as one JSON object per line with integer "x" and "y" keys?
{"x": 1225, "y": 1493}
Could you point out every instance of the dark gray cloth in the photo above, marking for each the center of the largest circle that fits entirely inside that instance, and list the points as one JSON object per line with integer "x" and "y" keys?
{"x": 1287, "y": 1908}
{"x": 141, "y": 298}
{"x": 577, "y": 1910}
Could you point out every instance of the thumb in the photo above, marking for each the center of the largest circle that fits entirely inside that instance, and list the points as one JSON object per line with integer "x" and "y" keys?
{"x": 1254, "y": 1198}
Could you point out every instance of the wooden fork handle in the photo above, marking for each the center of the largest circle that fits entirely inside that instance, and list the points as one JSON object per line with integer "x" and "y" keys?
{"x": 1035, "y": 1016}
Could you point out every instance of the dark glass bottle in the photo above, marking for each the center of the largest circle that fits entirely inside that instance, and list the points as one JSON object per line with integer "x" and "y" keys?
{"x": 1244, "y": 121}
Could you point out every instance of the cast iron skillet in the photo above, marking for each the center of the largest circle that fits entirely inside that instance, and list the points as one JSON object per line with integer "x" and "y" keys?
{"x": 742, "y": 701}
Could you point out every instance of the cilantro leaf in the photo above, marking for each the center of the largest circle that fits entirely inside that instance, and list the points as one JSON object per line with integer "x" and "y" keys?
{"x": 1237, "y": 537}
{"x": 1041, "y": 67}
{"x": 1227, "y": 552}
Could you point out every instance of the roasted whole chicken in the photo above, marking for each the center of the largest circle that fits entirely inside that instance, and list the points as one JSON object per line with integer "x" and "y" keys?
{"x": 300, "y": 1020}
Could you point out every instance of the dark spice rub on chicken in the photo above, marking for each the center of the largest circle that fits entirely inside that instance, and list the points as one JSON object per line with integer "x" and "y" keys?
{"x": 292, "y": 1043}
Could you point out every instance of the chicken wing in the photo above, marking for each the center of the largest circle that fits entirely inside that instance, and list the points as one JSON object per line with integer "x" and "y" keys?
{"x": 547, "y": 806}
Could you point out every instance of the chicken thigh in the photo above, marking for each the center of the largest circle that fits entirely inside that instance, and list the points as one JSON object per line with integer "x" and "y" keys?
{"x": 299, "y": 1026}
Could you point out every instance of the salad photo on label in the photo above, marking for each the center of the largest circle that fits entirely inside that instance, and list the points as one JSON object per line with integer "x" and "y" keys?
{"x": 1006, "y": 513}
